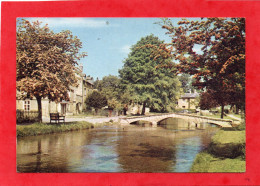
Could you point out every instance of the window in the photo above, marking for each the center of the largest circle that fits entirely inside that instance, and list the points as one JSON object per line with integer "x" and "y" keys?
{"x": 27, "y": 105}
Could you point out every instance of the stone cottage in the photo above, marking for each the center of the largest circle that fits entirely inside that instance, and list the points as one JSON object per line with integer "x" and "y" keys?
{"x": 188, "y": 101}
{"x": 74, "y": 106}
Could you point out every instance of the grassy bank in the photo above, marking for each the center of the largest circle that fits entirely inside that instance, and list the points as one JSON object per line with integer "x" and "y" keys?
{"x": 226, "y": 153}
{"x": 42, "y": 128}
{"x": 206, "y": 162}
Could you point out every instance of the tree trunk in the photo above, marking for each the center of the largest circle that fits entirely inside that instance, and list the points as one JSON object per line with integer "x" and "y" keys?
{"x": 222, "y": 110}
{"x": 143, "y": 109}
{"x": 237, "y": 109}
{"x": 125, "y": 109}
{"x": 39, "y": 103}
{"x": 110, "y": 112}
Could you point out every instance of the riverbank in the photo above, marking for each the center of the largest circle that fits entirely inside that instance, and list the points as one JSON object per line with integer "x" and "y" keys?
{"x": 44, "y": 128}
{"x": 226, "y": 152}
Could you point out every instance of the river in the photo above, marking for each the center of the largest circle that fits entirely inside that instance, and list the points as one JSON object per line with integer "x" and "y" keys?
{"x": 170, "y": 147}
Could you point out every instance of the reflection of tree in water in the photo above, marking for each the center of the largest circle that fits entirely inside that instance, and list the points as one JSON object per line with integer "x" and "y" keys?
{"x": 50, "y": 153}
{"x": 141, "y": 151}
{"x": 177, "y": 124}
{"x": 206, "y": 136}
{"x": 155, "y": 152}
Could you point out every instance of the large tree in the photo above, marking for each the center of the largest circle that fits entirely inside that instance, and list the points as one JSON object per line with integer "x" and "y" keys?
{"x": 153, "y": 87}
{"x": 110, "y": 86}
{"x": 46, "y": 62}
{"x": 96, "y": 100}
{"x": 213, "y": 51}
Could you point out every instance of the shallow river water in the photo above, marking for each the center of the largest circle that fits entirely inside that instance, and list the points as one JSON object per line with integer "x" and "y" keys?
{"x": 170, "y": 147}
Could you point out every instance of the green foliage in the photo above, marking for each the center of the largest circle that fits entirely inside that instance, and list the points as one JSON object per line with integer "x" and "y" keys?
{"x": 110, "y": 86}
{"x": 157, "y": 88}
{"x": 26, "y": 116}
{"x": 113, "y": 104}
{"x": 41, "y": 128}
{"x": 96, "y": 100}
{"x": 186, "y": 83}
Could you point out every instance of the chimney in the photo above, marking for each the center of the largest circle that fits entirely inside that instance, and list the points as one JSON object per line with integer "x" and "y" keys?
{"x": 81, "y": 67}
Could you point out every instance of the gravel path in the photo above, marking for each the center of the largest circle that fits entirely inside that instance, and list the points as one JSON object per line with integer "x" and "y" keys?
{"x": 93, "y": 120}
{"x": 234, "y": 117}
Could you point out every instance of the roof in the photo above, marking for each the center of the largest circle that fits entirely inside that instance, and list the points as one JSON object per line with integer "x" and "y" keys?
{"x": 190, "y": 95}
{"x": 90, "y": 81}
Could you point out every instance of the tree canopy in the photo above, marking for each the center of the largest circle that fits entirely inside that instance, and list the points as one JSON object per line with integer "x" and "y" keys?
{"x": 96, "y": 100}
{"x": 157, "y": 88}
{"x": 186, "y": 83}
{"x": 46, "y": 62}
{"x": 110, "y": 86}
{"x": 212, "y": 50}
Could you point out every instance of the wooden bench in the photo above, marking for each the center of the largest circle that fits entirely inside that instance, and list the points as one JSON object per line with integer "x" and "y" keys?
{"x": 56, "y": 117}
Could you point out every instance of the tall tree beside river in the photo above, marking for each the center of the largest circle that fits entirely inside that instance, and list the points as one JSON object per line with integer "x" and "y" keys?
{"x": 156, "y": 88}
{"x": 46, "y": 62}
{"x": 213, "y": 51}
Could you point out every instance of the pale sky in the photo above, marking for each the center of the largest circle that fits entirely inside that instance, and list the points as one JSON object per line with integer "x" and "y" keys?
{"x": 107, "y": 41}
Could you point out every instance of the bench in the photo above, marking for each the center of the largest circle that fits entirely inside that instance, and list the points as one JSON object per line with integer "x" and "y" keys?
{"x": 56, "y": 117}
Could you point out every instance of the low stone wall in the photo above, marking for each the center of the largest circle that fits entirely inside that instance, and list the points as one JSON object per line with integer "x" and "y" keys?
{"x": 26, "y": 116}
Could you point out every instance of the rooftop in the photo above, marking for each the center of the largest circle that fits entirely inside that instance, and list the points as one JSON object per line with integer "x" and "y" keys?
{"x": 190, "y": 95}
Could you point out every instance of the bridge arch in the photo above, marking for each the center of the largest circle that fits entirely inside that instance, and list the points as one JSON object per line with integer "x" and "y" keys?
{"x": 174, "y": 117}
{"x": 142, "y": 121}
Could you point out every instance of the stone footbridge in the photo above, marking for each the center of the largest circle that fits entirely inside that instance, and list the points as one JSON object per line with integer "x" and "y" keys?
{"x": 155, "y": 119}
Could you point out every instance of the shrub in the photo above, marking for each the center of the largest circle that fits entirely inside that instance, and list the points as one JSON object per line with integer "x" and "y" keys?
{"x": 26, "y": 116}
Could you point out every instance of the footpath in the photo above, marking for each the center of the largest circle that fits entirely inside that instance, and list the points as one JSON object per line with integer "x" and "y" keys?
{"x": 93, "y": 120}
{"x": 234, "y": 117}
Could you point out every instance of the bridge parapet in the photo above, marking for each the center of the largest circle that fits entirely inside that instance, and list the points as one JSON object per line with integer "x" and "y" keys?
{"x": 194, "y": 118}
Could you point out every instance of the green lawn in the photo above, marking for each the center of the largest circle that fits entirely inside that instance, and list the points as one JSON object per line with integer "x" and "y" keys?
{"x": 43, "y": 128}
{"x": 226, "y": 137}
{"x": 206, "y": 162}
{"x": 226, "y": 153}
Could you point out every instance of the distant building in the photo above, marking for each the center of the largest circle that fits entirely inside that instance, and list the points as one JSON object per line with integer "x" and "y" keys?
{"x": 74, "y": 106}
{"x": 188, "y": 101}
{"x": 136, "y": 108}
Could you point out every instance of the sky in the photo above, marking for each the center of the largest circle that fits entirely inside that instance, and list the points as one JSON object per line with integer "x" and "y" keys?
{"x": 107, "y": 41}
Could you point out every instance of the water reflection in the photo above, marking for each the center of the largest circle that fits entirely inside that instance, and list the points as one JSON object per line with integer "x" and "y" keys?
{"x": 182, "y": 124}
{"x": 114, "y": 149}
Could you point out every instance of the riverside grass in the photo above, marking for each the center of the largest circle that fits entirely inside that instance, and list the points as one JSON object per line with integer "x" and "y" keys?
{"x": 206, "y": 162}
{"x": 226, "y": 153}
{"x": 42, "y": 128}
